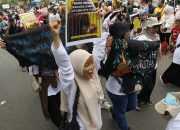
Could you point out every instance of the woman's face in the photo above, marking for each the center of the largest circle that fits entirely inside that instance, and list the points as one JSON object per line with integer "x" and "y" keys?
{"x": 88, "y": 69}
{"x": 151, "y": 30}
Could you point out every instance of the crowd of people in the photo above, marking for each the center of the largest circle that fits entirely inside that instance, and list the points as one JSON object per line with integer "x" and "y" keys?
{"x": 120, "y": 66}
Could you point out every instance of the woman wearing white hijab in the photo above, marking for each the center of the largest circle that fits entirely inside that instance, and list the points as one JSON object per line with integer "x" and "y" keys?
{"x": 91, "y": 94}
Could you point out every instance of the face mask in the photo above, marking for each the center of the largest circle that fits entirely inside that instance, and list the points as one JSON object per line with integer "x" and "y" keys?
{"x": 170, "y": 99}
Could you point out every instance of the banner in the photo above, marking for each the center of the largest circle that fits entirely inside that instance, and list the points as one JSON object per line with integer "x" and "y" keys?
{"x": 83, "y": 22}
{"x": 28, "y": 20}
{"x": 32, "y": 47}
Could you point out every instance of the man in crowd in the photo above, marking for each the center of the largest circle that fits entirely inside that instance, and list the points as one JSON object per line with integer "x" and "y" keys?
{"x": 148, "y": 64}
{"x": 3, "y": 25}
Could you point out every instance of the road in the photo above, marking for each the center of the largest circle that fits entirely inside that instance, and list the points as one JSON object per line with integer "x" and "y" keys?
{"x": 22, "y": 111}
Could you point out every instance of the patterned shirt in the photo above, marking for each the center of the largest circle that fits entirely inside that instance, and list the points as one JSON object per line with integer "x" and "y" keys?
{"x": 145, "y": 61}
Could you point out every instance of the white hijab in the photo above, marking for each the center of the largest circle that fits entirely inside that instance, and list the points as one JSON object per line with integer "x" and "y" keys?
{"x": 90, "y": 90}
{"x": 78, "y": 60}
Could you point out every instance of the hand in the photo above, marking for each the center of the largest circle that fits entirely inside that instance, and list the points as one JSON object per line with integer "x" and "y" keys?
{"x": 55, "y": 26}
{"x": 138, "y": 88}
{"x": 2, "y": 44}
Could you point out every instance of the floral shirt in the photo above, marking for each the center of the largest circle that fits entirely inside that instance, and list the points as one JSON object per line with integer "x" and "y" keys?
{"x": 120, "y": 47}
{"x": 145, "y": 61}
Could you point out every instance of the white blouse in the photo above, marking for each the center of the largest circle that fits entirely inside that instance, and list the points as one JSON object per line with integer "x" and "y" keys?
{"x": 176, "y": 56}
{"x": 66, "y": 75}
{"x": 99, "y": 49}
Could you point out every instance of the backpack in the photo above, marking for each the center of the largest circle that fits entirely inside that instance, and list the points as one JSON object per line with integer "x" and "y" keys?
{"x": 128, "y": 83}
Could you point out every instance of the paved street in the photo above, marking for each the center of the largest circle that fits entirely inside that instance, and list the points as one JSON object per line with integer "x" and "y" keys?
{"x": 22, "y": 110}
